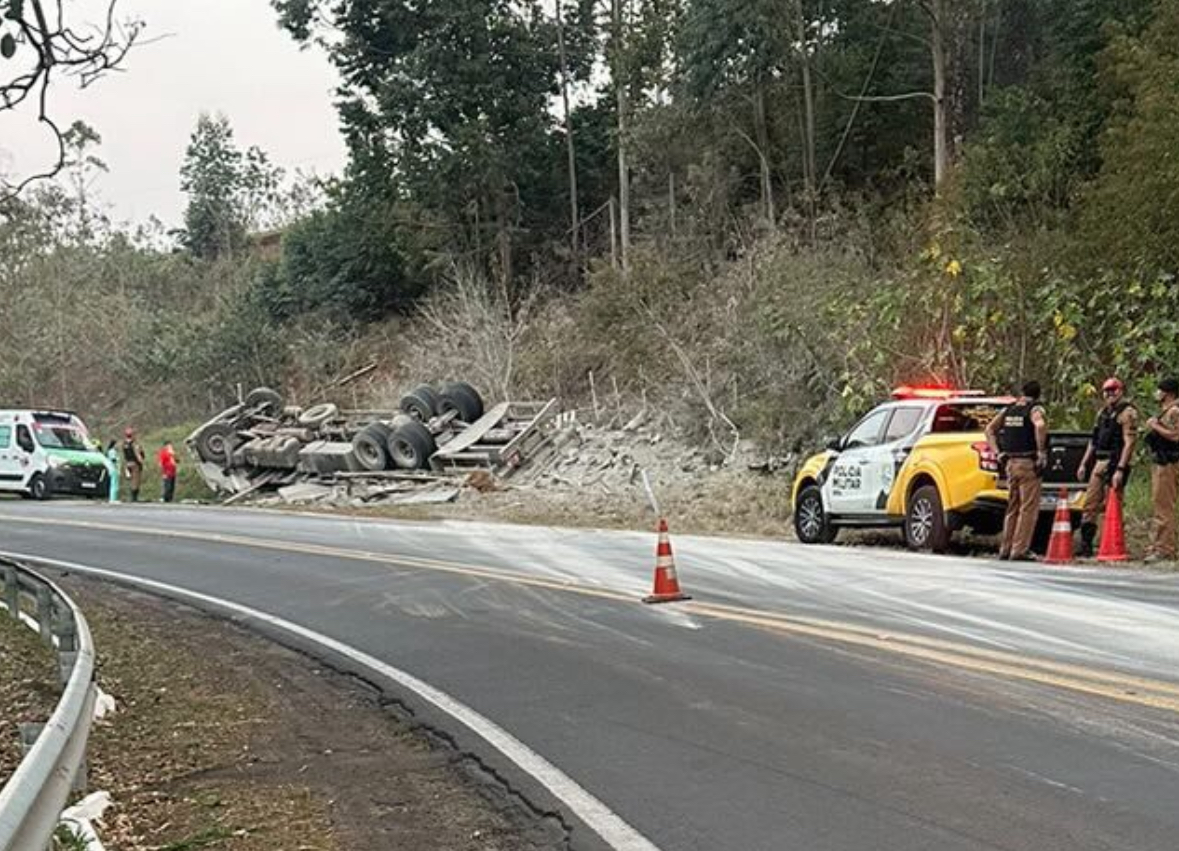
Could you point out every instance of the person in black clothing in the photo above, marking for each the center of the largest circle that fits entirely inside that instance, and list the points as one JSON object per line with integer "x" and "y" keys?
{"x": 1107, "y": 460}
{"x": 1019, "y": 436}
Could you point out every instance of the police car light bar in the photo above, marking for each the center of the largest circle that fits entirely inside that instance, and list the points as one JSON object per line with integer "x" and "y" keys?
{"x": 934, "y": 393}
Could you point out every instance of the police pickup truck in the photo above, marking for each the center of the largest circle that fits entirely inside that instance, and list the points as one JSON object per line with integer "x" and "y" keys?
{"x": 921, "y": 462}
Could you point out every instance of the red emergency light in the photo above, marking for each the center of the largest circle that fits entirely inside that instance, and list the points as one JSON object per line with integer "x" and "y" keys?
{"x": 939, "y": 393}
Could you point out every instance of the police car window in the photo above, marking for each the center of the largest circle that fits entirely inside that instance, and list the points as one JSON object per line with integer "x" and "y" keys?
{"x": 5, "y": 437}
{"x": 867, "y": 433}
{"x": 903, "y": 423}
{"x": 964, "y": 416}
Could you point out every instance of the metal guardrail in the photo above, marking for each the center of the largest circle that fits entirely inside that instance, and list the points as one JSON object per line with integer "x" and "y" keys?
{"x": 32, "y": 799}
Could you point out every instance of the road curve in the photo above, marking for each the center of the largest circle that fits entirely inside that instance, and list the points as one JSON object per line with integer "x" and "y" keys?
{"x": 808, "y": 698}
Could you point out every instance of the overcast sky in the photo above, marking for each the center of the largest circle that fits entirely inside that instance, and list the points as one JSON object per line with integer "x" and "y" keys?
{"x": 218, "y": 56}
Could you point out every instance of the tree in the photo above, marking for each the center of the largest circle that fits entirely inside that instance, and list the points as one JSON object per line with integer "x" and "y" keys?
{"x": 42, "y": 39}
{"x": 447, "y": 104}
{"x": 229, "y": 190}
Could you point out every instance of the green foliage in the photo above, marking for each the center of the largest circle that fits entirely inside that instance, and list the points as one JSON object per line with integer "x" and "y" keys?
{"x": 343, "y": 261}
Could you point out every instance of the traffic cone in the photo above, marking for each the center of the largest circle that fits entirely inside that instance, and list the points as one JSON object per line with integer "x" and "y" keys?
{"x": 1113, "y": 538}
{"x": 667, "y": 584}
{"x": 1060, "y": 545}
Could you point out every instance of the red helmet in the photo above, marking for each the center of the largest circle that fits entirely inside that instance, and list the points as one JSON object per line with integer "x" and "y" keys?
{"x": 1112, "y": 384}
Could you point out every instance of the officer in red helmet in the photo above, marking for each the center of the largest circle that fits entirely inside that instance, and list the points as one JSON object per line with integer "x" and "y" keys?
{"x": 1107, "y": 460}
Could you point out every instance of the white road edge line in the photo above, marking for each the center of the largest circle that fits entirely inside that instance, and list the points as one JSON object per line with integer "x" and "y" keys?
{"x": 600, "y": 818}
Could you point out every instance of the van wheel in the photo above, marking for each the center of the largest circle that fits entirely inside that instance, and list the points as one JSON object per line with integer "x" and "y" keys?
{"x": 811, "y": 523}
{"x": 926, "y": 526}
{"x": 38, "y": 488}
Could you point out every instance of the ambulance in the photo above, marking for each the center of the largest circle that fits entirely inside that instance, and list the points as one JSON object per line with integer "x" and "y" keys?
{"x": 46, "y": 453}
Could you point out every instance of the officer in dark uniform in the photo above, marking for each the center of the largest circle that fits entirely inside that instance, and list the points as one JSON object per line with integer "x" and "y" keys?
{"x": 1019, "y": 436}
{"x": 1107, "y": 460}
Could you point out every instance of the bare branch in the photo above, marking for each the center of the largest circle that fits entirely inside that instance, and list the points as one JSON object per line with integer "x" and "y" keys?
{"x": 50, "y": 45}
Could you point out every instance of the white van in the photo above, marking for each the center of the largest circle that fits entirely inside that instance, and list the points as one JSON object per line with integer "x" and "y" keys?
{"x": 43, "y": 453}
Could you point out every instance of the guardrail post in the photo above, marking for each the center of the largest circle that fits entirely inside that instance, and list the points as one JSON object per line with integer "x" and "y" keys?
{"x": 11, "y": 592}
{"x": 45, "y": 613}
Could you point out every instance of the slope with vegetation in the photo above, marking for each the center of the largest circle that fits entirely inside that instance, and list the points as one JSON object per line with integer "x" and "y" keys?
{"x": 751, "y": 216}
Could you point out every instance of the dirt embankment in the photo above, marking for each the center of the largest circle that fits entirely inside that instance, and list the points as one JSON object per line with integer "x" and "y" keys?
{"x": 226, "y": 740}
{"x": 29, "y": 688}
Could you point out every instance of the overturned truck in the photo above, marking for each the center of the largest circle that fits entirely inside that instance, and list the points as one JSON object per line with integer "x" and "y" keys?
{"x": 262, "y": 444}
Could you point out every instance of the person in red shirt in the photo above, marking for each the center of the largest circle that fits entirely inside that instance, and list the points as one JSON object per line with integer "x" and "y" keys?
{"x": 167, "y": 460}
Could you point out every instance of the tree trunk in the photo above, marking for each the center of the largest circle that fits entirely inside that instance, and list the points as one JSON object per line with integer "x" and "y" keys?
{"x": 950, "y": 48}
{"x": 941, "y": 123}
{"x": 620, "y": 84}
{"x": 809, "y": 153}
{"x": 570, "y": 146}
{"x": 762, "y": 133}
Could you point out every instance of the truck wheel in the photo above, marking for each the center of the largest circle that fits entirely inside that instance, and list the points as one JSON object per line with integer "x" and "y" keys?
{"x": 421, "y": 404}
{"x": 461, "y": 398}
{"x": 215, "y": 442}
{"x": 370, "y": 447}
{"x": 476, "y": 400}
{"x": 926, "y": 527}
{"x": 411, "y": 447}
{"x": 811, "y": 523}
{"x": 318, "y": 415}
{"x": 38, "y": 488}
{"x": 263, "y": 397}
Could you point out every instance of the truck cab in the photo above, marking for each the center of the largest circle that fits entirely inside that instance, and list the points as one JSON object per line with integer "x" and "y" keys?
{"x": 43, "y": 453}
{"x": 921, "y": 463}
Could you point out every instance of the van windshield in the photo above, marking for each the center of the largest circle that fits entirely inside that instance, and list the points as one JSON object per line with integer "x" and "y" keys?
{"x": 965, "y": 416}
{"x": 60, "y": 437}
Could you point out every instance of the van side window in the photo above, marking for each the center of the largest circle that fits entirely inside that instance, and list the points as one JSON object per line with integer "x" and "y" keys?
{"x": 5, "y": 436}
{"x": 23, "y": 439}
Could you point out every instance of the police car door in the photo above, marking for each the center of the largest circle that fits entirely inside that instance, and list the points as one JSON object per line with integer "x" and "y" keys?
{"x": 854, "y": 481}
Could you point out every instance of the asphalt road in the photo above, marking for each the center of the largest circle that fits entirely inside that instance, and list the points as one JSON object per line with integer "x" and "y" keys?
{"x": 808, "y": 698}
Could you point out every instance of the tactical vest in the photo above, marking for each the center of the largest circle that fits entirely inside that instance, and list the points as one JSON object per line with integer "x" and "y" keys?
{"x": 1108, "y": 440}
{"x": 1017, "y": 432}
{"x": 130, "y": 456}
{"x": 1163, "y": 452}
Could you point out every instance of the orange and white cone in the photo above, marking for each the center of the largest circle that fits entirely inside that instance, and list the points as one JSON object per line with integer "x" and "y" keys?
{"x": 1113, "y": 534}
{"x": 667, "y": 584}
{"x": 1060, "y": 545}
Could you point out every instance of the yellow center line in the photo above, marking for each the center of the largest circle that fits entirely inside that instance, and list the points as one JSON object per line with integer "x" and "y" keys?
{"x": 1142, "y": 691}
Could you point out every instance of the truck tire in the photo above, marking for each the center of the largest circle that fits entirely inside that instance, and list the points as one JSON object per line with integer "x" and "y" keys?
{"x": 215, "y": 443}
{"x": 463, "y": 399}
{"x": 421, "y": 404}
{"x": 370, "y": 446}
{"x": 318, "y": 415}
{"x": 926, "y": 525}
{"x": 38, "y": 488}
{"x": 811, "y": 523}
{"x": 411, "y": 447}
{"x": 263, "y": 397}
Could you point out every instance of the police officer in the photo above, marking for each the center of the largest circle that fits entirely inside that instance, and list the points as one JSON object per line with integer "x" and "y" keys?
{"x": 1107, "y": 459}
{"x": 1162, "y": 439}
{"x": 1019, "y": 435}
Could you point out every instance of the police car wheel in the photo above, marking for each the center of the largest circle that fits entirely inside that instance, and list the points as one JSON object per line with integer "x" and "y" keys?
{"x": 811, "y": 523}
{"x": 926, "y": 527}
